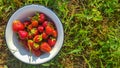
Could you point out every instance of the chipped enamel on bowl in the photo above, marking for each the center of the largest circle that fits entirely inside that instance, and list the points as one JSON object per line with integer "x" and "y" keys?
{"x": 14, "y": 45}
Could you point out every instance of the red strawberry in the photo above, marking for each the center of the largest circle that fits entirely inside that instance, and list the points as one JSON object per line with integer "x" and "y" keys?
{"x": 30, "y": 44}
{"x": 23, "y": 34}
{"x": 34, "y": 31}
{"x": 26, "y": 23}
{"x": 34, "y": 23}
{"x": 40, "y": 29}
{"x": 42, "y": 17}
{"x": 17, "y": 26}
{"x": 36, "y": 53}
{"x": 36, "y": 46}
{"x": 51, "y": 42}
{"x": 37, "y": 38}
{"x": 44, "y": 35}
{"x": 45, "y": 47}
{"x": 48, "y": 30}
{"x": 54, "y": 33}
{"x": 45, "y": 23}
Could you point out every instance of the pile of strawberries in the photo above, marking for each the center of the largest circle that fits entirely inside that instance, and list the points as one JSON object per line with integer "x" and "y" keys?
{"x": 38, "y": 34}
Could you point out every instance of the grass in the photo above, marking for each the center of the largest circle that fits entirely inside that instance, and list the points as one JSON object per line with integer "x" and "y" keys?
{"x": 91, "y": 28}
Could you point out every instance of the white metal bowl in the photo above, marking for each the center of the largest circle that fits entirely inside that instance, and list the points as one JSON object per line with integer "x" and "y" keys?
{"x": 14, "y": 45}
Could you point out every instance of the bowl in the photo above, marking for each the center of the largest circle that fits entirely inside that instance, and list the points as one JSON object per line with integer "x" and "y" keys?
{"x": 14, "y": 45}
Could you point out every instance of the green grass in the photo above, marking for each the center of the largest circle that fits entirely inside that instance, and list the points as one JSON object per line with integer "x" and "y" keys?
{"x": 91, "y": 28}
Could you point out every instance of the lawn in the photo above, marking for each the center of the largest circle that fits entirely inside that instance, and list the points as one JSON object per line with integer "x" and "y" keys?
{"x": 91, "y": 29}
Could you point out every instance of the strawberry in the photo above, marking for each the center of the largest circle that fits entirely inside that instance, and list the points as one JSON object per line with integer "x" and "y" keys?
{"x": 30, "y": 44}
{"x": 34, "y": 31}
{"x": 36, "y": 46}
{"x": 51, "y": 42}
{"x": 54, "y": 33}
{"x": 37, "y": 38}
{"x": 48, "y": 30}
{"x": 45, "y": 23}
{"x": 26, "y": 23}
{"x": 34, "y": 23}
{"x": 17, "y": 26}
{"x": 45, "y": 47}
{"x": 42, "y": 17}
{"x": 30, "y": 27}
{"x": 36, "y": 53}
{"x": 40, "y": 29}
{"x": 30, "y": 35}
{"x": 24, "y": 43}
{"x": 44, "y": 35}
{"x": 23, "y": 34}
{"x": 26, "y": 47}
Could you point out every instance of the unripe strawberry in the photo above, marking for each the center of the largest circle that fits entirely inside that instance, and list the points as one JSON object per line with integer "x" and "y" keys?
{"x": 34, "y": 31}
{"x": 37, "y": 38}
{"x": 36, "y": 46}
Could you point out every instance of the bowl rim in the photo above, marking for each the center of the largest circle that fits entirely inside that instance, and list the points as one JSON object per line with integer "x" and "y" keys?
{"x": 57, "y": 37}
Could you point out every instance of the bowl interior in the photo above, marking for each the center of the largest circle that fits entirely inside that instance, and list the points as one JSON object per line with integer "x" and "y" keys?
{"x": 15, "y": 46}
